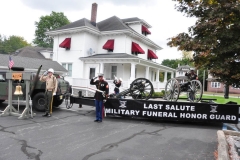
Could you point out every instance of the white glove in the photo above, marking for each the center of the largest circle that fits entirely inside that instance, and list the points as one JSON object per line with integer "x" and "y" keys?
{"x": 94, "y": 77}
{"x": 54, "y": 94}
{"x": 45, "y": 73}
{"x": 115, "y": 78}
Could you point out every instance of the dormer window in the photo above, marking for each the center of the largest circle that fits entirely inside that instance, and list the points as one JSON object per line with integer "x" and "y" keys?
{"x": 109, "y": 45}
{"x": 145, "y": 30}
{"x": 136, "y": 49}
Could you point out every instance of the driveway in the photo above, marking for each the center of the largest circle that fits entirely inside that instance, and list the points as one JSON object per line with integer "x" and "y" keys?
{"x": 71, "y": 134}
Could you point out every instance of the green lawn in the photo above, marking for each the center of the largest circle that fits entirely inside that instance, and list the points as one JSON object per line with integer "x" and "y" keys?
{"x": 219, "y": 99}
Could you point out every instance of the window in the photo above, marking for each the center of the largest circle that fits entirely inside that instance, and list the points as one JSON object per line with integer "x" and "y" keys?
{"x": 92, "y": 73}
{"x": 114, "y": 72}
{"x": 215, "y": 84}
{"x": 68, "y": 66}
{"x": 109, "y": 45}
{"x": 136, "y": 49}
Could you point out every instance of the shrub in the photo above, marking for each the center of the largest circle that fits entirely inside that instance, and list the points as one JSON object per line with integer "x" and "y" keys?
{"x": 157, "y": 94}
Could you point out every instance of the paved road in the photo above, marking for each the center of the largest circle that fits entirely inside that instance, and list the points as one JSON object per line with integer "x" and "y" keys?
{"x": 72, "y": 135}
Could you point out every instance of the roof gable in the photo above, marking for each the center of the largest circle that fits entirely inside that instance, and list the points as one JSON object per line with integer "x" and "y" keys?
{"x": 32, "y": 52}
{"x": 111, "y": 24}
{"x": 133, "y": 19}
{"x": 79, "y": 23}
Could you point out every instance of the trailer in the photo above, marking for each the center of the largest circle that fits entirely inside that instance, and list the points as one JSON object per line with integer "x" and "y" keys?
{"x": 141, "y": 105}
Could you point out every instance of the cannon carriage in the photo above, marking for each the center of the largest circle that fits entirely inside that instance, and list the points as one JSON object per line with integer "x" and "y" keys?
{"x": 140, "y": 88}
{"x": 193, "y": 89}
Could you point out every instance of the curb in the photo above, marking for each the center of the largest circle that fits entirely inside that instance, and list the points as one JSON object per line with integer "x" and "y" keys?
{"x": 223, "y": 144}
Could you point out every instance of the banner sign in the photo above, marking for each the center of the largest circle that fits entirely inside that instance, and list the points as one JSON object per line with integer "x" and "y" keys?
{"x": 179, "y": 111}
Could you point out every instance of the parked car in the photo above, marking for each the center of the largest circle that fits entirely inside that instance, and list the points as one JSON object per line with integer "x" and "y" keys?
{"x": 38, "y": 99}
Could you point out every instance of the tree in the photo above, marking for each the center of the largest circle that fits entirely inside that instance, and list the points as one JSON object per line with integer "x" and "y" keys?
{"x": 11, "y": 44}
{"x": 187, "y": 55}
{"x": 1, "y": 44}
{"x": 172, "y": 63}
{"x": 214, "y": 38}
{"x": 47, "y": 23}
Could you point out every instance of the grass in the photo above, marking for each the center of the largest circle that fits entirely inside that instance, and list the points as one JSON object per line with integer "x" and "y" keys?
{"x": 219, "y": 99}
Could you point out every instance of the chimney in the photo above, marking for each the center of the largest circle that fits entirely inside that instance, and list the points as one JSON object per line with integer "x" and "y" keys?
{"x": 94, "y": 14}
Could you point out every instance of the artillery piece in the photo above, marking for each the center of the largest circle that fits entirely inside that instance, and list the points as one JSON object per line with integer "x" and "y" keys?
{"x": 140, "y": 88}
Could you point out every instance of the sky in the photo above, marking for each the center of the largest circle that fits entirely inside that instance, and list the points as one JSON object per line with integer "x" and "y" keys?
{"x": 18, "y": 17}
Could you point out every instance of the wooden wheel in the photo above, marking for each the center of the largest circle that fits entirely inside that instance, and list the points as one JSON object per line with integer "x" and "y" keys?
{"x": 141, "y": 88}
{"x": 195, "y": 95}
{"x": 172, "y": 90}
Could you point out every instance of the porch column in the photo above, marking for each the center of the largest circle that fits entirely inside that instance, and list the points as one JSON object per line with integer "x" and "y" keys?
{"x": 157, "y": 75}
{"x": 101, "y": 68}
{"x": 133, "y": 65}
{"x": 147, "y": 72}
{"x": 172, "y": 74}
{"x": 165, "y": 76}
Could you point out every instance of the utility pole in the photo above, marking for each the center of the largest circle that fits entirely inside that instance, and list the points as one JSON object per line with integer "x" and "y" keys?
{"x": 203, "y": 80}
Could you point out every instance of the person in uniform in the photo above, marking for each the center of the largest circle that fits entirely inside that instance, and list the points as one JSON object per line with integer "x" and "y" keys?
{"x": 118, "y": 83}
{"x": 102, "y": 85}
{"x": 192, "y": 76}
{"x": 51, "y": 88}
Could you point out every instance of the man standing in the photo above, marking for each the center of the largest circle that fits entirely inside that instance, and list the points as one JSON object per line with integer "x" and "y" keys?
{"x": 192, "y": 76}
{"x": 51, "y": 88}
{"x": 99, "y": 97}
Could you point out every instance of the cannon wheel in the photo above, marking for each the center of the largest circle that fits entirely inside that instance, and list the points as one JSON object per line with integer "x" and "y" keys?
{"x": 172, "y": 90}
{"x": 141, "y": 88}
{"x": 196, "y": 94}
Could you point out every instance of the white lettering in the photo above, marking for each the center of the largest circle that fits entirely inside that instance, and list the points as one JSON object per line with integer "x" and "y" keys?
{"x": 152, "y": 106}
{"x": 223, "y": 117}
{"x": 193, "y": 115}
{"x": 180, "y": 107}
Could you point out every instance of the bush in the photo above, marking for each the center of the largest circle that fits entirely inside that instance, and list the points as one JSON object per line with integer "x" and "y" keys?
{"x": 158, "y": 94}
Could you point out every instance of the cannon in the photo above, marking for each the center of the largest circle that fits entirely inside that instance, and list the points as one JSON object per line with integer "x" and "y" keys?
{"x": 173, "y": 88}
{"x": 140, "y": 88}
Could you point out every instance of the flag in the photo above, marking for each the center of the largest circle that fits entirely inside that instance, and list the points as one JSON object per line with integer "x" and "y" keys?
{"x": 11, "y": 63}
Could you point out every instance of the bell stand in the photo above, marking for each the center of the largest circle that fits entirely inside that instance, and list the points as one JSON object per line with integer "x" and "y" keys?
{"x": 10, "y": 110}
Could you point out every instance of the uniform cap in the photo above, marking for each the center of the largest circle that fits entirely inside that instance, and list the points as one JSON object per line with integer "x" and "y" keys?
{"x": 120, "y": 79}
{"x": 100, "y": 74}
{"x": 192, "y": 69}
{"x": 51, "y": 70}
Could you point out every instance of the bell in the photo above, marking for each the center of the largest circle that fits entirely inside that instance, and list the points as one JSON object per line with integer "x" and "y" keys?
{"x": 18, "y": 90}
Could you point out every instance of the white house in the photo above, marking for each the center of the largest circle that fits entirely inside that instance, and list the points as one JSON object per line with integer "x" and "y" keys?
{"x": 113, "y": 46}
